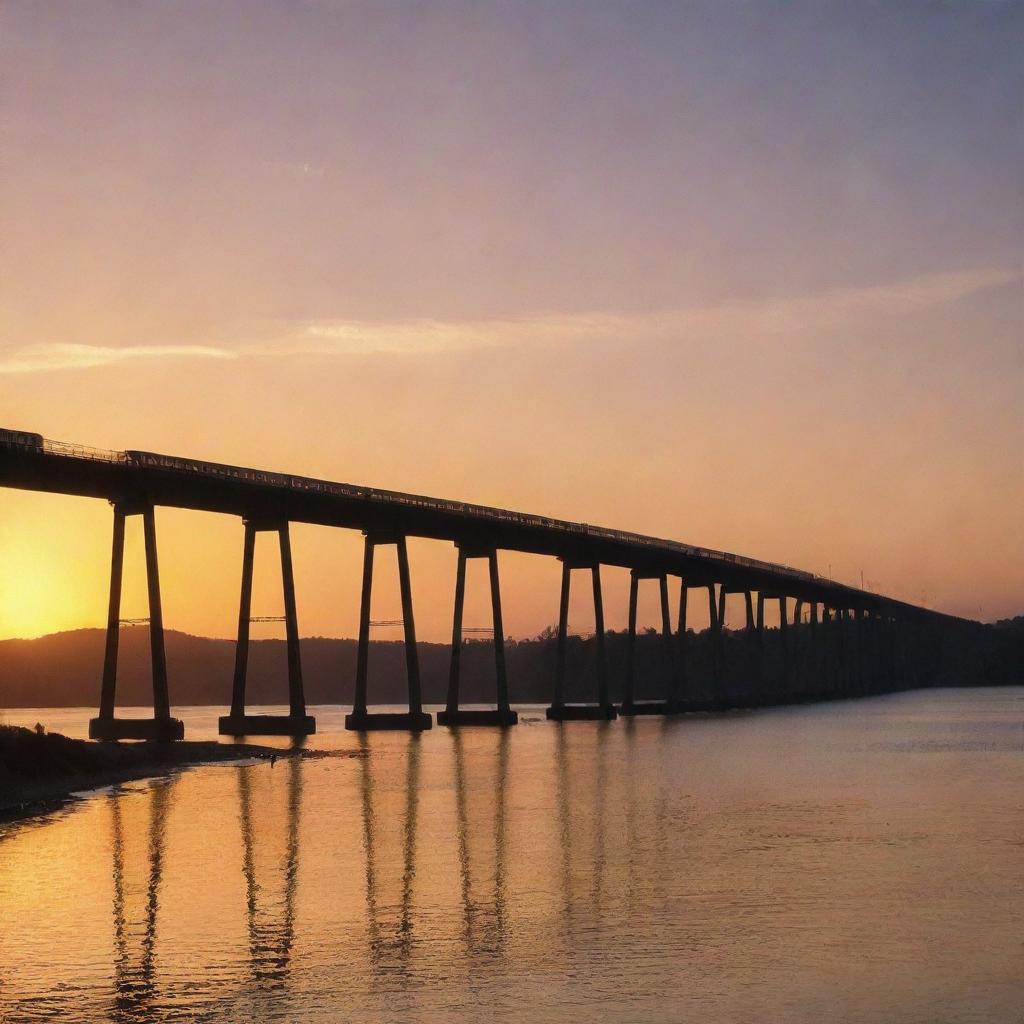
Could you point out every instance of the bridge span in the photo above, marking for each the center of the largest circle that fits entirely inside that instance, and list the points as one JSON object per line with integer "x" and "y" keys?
{"x": 864, "y": 628}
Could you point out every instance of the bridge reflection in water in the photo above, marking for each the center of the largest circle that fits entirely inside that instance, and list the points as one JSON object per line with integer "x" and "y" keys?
{"x": 136, "y": 901}
{"x": 271, "y": 923}
{"x": 270, "y": 811}
{"x": 602, "y": 855}
{"x": 593, "y": 871}
{"x": 389, "y": 899}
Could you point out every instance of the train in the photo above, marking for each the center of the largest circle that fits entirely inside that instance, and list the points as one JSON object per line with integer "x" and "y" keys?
{"x": 174, "y": 463}
{"x": 21, "y": 439}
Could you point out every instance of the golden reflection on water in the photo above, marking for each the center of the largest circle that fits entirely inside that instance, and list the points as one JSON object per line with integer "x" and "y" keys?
{"x": 135, "y": 905}
{"x": 270, "y": 936}
{"x": 482, "y": 887}
{"x": 853, "y": 863}
{"x": 390, "y": 921}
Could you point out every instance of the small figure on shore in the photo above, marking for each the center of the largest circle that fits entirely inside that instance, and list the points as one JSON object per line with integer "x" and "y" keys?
{"x": 273, "y": 760}
{"x": 40, "y": 729}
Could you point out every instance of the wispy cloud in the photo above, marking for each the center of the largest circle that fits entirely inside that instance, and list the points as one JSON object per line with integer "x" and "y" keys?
{"x": 801, "y": 317}
{"x": 65, "y": 356}
{"x": 766, "y": 318}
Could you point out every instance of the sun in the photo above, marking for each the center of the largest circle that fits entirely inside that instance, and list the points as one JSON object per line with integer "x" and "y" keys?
{"x": 48, "y": 581}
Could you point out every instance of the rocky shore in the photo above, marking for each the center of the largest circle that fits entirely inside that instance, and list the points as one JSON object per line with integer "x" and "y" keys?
{"x": 39, "y": 772}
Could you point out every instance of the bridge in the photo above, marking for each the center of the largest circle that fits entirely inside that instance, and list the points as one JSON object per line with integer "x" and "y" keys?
{"x": 860, "y": 631}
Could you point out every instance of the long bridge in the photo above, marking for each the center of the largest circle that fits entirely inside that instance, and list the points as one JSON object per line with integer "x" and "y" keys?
{"x": 136, "y": 482}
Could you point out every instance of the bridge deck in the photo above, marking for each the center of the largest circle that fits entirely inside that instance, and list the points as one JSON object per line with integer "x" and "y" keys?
{"x": 141, "y": 477}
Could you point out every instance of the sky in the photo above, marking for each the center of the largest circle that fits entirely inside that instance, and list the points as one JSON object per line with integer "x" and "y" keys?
{"x": 742, "y": 274}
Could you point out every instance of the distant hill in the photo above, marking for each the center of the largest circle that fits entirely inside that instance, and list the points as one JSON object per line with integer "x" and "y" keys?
{"x": 64, "y": 670}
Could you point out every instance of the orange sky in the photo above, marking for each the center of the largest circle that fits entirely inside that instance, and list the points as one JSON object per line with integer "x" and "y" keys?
{"x": 529, "y": 260}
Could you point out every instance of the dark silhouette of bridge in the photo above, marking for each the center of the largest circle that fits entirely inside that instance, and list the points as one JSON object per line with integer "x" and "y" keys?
{"x": 854, "y": 633}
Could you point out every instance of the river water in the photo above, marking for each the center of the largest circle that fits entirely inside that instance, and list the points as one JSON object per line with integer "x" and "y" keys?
{"x": 854, "y": 862}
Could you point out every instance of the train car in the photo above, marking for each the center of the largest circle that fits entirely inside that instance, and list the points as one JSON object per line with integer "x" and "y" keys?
{"x": 153, "y": 460}
{"x": 21, "y": 439}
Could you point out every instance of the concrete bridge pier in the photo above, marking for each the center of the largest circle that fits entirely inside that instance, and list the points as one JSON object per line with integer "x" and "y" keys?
{"x": 415, "y": 719}
{"x": 857, "y": 667}
{"x": 869, "y": 680}
{"x": 886, "y": 669}
{"x": 796, "y": 690}
{"x": 715, "y": 624}
{"x": 296, "y": 722}
{"x": 832, "y": 641}
{"x": 813, "y": 660}
{"x": 787, "y": 654}
{"x": 752, "y": 640}
{"x": 893, "y": 662}
{"x": 161, "y": 726}
{"x": 503, "y": 715}
{"x": 723, "y": 692}
{"x": 845, "y": 671}
{"x": 759, "y": 634}
{"x": 738, "y": 693}
{"x": 669, "y": 705}
{"x": 684, "y": 694}
{"x": 603, "y": 709}
{"x": 780, "y": 689}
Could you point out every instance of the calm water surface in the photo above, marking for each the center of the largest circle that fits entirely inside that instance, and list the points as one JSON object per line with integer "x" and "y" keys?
{"x": 856, "y": 862}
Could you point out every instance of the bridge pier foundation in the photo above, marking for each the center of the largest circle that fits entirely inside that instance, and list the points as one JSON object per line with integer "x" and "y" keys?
{"x": 669, "y": 705}
{"x": 604, "y": 709}
{"x": 161, "y": 726}
{"x": 360, "y": 719}
{"x": 296, "y": 722}
{"x": 453, "y": 715}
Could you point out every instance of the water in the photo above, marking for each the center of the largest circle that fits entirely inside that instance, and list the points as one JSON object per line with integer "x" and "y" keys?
{"x": 856, "y": 862}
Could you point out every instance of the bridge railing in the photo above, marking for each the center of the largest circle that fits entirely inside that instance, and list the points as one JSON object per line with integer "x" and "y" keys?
{"x": 81, "y": 451}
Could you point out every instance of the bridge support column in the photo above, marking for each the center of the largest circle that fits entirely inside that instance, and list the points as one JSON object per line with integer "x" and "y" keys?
{"x": 825, "y": 652}
{"x": 797, "y": 661}
{"x": 503, "y": 715}
{"x": 683, "y": 690}
{"x": 752, "y": 651}
{"x": 893, "y": 661}
{"x": 415, "y": 719}
{"x": 296, "y": 722}
{"x": 161, "y": 726}
{"x": 724, "y": 694}
{"x": 604, "y": 709}
{"x": 787, "y": 657}
{"x": 716, "y": 620}
{"x": 844, "y": 646}
{"x": 759, "y": 632}
{"x": 860, "y": 652}
{"x": 813, "y": 659}
{"x": 669, "y": 705}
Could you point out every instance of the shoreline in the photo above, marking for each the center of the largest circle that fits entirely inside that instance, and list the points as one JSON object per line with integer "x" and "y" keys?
{"x": 63, "y": 770}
